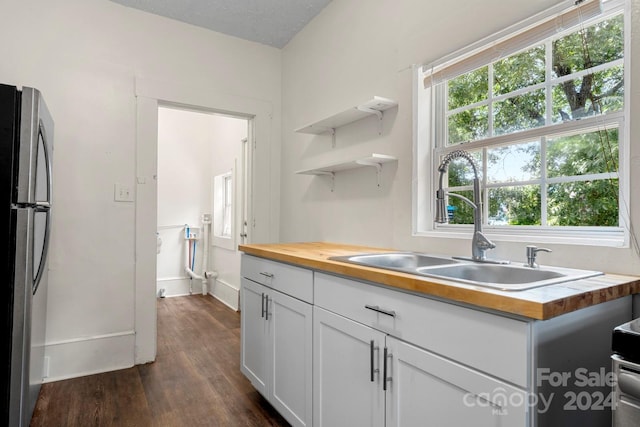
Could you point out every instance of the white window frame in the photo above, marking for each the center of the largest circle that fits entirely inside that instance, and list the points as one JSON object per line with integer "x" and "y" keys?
{"x": 227, "y": 204}
{"x": 425, "y": 151}
{"x": 224, "y": 210}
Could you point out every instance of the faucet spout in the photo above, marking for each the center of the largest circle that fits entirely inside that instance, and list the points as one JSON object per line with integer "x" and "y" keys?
{"x": 479, "y": 243}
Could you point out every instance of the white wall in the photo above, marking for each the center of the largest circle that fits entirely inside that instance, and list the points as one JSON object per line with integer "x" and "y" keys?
{"x": 184, "y": 165}
{"x": 184, "y": 192}
{"x": 85, "y": 56}
{"x": 355, "y": 49}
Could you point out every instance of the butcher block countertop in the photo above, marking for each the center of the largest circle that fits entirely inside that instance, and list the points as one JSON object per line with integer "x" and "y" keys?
{"x": 538, "y": 303}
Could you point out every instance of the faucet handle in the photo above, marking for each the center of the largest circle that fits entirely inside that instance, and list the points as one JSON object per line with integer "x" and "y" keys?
{"x": 532, "y": 252}
{"x": 483, "y": 241}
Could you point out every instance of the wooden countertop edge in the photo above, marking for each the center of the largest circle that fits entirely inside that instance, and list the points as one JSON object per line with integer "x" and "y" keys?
{"x": 625, "y": 286}
{"x": 614, "y": 286}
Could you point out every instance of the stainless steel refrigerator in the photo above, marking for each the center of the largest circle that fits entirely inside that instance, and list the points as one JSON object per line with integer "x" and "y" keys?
{"x": 26, "y": 132}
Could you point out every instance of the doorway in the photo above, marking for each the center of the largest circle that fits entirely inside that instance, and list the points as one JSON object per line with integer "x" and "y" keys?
{"x": 263, "y": 185}
{"x": 202, "y": 192}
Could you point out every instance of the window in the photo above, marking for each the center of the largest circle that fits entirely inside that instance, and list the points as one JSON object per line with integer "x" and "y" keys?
{"x": 227, "y": 199}
{"x": 542, "y": 111}
{"x": 223, "y": 210}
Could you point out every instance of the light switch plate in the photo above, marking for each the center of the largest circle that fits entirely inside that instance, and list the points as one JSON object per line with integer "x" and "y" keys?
{"x": 122, "y": 193}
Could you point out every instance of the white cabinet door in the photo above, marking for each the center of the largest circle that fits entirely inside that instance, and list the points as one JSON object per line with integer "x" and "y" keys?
{"x": 254, "y": 332}
{"x": 428, "y": 390}
{"x": 344, "y": 391}
{"x": 290, "y": 337}
{"x": 276, "y": 352}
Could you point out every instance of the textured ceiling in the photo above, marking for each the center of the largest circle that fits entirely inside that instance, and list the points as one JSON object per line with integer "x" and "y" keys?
{"x": 270, "y": 22}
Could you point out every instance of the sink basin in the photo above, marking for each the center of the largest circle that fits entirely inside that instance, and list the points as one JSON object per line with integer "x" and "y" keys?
{"x": 506, "y": 277}
{"x": 400, "y": 261}
{"x": 496, "y": 276}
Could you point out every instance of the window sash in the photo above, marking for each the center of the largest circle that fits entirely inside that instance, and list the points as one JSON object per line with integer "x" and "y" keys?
{"x": 227, "y": 203}
{"x": 591, "y": 124}
{"x": 545, "y": 85}
{"x": 223, "y": 209}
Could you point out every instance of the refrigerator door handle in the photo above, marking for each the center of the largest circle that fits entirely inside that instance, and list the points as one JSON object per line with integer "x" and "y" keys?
{"x": 45, "y": 249}
{"x": 35, "y": 147}
{"x": 47, "y": 158}
{"x": 28, "y": 147}
{"x": 44, "y": 205}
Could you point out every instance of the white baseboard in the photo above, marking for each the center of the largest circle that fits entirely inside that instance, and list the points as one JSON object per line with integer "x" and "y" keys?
{"x": 226, "y": 293}
{"x": 87, "y": 356}
{"x": 178, "y": 286}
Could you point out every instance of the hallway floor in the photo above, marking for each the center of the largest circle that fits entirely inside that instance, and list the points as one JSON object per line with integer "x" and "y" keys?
{"x": 195, "y": 380}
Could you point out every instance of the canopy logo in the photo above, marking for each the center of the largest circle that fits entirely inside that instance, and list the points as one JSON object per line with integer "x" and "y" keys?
{"x": 586, "y": 390}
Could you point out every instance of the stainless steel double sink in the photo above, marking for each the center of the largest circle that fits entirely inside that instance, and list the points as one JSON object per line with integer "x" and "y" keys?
{"x": 506, "y": 277}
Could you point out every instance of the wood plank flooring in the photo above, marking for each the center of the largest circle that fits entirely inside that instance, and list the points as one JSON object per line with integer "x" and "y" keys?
{"x": 195, "y": 380}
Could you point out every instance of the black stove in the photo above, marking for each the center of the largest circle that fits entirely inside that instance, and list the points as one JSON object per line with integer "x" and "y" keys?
{"x": 626, "y": 341}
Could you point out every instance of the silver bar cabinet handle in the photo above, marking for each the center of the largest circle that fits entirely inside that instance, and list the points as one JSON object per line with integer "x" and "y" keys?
{"x": 380, "y": 310}
{"x": 384, "y": 372}
{"x": 373, "y": 349}
{"x": 262, "y": 315}
{"x": 265, "y": 274}
{"x": 266, "y": 307}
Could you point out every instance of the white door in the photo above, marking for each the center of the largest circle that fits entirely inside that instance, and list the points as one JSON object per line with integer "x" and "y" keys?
{"x": 254, "y": 333}
{"x": 346, "y": 372}
{"x": 290, "y": 336}
{"x": 428, "y": 390}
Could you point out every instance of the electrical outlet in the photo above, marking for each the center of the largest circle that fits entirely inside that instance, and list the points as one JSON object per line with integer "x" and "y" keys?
{"x": 122, "y": 193}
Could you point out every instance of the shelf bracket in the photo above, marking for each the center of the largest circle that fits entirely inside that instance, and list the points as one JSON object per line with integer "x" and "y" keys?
{"x": 331, "y": 131}
{"x": 376, "y": 165}
{"x": 377, "y": 113}
{"x": 332, "y": 175}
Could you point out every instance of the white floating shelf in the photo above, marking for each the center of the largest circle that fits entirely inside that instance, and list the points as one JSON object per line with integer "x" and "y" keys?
{"x": 374, "y": 106}
{"x": 375, "y": 160}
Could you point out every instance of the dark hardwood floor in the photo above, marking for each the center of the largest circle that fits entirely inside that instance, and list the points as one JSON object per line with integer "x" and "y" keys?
{"x": 195, "y": 380}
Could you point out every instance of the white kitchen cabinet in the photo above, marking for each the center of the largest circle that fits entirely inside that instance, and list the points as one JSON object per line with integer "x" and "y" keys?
{"x": 447, "y": 364}
{"x": 290, "y": 332}
{"x": 276, "y": 352}
{"x": 347, "y": 372}
{"x": 450, "y": 365}
{"x": 254, "y": 330}
{"x": 444, "y": 364}
{"x": 421, "y": 388}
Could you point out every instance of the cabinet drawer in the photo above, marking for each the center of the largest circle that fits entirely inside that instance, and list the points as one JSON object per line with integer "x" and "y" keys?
{"x": 490, "y": 343}
{"x": 290, "y": 280}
